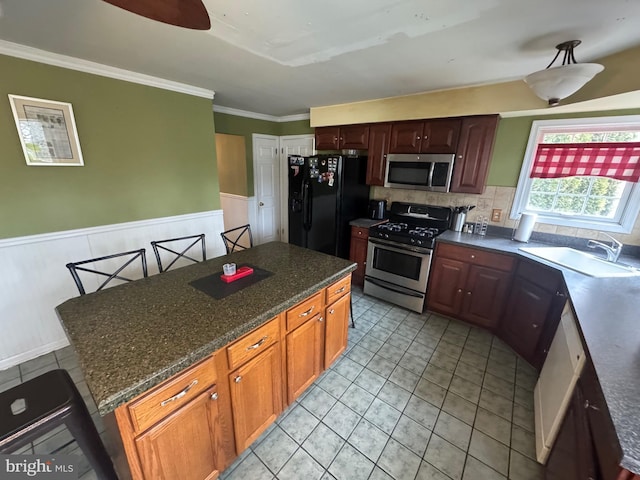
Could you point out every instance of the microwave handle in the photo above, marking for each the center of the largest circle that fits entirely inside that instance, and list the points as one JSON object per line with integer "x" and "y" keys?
{"x": 431, "y": 169}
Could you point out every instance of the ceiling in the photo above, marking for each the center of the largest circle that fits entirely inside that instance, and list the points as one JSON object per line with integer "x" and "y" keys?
{"x": 282, "y": 57}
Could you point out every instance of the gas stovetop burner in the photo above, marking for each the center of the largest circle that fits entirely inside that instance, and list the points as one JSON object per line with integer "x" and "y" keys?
{"x": 393, "y": 227}
{"x": 428, "y": 232}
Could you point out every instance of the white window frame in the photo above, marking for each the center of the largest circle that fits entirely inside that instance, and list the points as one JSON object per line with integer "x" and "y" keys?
{"x": 623, "y": 223}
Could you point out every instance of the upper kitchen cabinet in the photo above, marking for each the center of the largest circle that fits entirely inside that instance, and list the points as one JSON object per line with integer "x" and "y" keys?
{"x": 379, "y": 140}
{"x": 350, "y": 137}
{"x": 432, "y": 136}
{"x": 475, "y": 147}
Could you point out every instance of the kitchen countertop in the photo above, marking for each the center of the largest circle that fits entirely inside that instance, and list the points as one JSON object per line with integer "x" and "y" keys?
{"x": 366, "y": 222}
{"x": 609, "y": 320}
{"x": 131, "y": 337}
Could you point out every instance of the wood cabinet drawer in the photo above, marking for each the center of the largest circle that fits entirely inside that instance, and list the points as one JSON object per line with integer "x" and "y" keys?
{"x": 338, "y": 289}
{"x": 360, "y": 232}
{"x": 171, "y": 395}
{"x": 253, "y": 343}
{"x": 475, "y": 256}
{"x": 302, "y": 312}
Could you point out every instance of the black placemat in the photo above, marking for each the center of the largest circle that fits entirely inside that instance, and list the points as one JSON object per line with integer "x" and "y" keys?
{"x": 213, "y": 285}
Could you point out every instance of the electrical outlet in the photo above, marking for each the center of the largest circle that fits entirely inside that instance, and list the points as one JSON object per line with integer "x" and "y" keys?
{"x": 496, "y": 215}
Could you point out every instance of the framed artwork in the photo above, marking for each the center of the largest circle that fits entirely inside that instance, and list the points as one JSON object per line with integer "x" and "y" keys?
{"x": 47, "y": 131}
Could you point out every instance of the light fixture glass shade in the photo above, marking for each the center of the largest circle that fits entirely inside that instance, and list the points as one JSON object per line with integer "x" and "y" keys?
{"x": 556, "y": 83}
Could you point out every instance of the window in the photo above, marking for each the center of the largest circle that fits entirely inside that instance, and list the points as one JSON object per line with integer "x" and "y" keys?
{"x": 592, "y": 202}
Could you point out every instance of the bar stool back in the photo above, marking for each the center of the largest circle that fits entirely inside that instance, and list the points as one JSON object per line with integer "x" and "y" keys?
{"x": 39, "y": 405}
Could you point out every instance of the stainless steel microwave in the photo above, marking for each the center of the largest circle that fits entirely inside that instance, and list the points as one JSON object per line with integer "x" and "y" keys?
{"x": 431, "y": 172}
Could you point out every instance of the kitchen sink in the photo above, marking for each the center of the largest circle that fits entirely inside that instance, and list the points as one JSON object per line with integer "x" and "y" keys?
{"x": 582, "y": 262}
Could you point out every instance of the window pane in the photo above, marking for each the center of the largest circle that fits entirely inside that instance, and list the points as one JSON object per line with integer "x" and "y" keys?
{"x": 575, "y": 185}
{"x": 569, "y": 204}
{"x": 601, "y": 207}
{"x": 541, "y": 201}
{"x": 545, "y": 184}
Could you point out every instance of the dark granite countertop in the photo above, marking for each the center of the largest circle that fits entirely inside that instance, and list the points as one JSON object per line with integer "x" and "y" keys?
{"x": 131, "y": 337}
{"x": 608, "y": 312}
{"x": 366, "y": 222}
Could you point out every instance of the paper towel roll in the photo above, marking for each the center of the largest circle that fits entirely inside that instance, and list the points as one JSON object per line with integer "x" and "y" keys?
{"x": 525, "y": 227}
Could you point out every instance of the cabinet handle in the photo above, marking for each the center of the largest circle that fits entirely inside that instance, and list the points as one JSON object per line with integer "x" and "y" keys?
{"x": 359, "y": 233}
{"x": 259, "y": 344}
{"x": 591, "y": 406}
{"x": 178, "y": 396}
{"x": 339, "y": 291}
{"x": 320, "y": 319}
{"x": 560, "y": 294}
{"x": 460, "y": 157}
{"x": 331, "y": 311}
{"x": 468, "y": 293}
{"x": 304, "y": 314}
{"x": 237, "y": 379}
{"x": 535, "y": 325}
{"x": 214, "y": 396}
{"x": 459, "y": 290}
{"x": 473, "y": 256}
{"x": 418, "y": 137}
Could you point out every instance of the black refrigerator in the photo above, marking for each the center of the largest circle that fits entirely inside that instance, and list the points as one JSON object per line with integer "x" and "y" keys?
{"x": 326, "y": 192}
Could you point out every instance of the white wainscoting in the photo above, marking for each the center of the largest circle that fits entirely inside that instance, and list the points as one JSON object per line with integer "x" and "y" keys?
{"x": 35, "y": 280}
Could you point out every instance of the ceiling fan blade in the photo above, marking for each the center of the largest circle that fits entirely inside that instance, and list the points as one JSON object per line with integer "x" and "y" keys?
{"x": 182, "y": 13}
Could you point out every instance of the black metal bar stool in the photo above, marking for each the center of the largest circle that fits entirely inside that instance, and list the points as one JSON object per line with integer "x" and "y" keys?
{"x": 29, "y": 410}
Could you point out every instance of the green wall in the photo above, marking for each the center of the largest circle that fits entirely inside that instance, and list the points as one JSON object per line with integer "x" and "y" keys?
{"x": 511, "y": 143}
{"x": 147, "y": 152}
{"x": 237, "y": 125}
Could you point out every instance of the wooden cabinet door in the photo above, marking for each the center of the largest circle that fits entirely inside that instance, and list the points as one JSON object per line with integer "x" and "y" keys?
{"x": 406, "y": 137}
{"x": 485, "y": 295}
{"x": 336, "y": 329}
{"x": 379, "y": 140}
{"x": 525, "y": 315}
{"x": 572, "y": 456}
{"x": 474, "y": 154}
{"x": 256, "y": 396}
{"x": 327, "y": 138}
{"x": 446, "y": 285}
{"x": 440, "y": 136}
{"x": 304, "y": 356}
{"x": 358, "y": 253}
{"x": 183, "y": 445}
{"x": 354, "y": 137}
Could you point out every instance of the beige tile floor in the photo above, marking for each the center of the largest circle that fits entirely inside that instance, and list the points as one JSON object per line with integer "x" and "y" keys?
{"x": 415, "y": 397}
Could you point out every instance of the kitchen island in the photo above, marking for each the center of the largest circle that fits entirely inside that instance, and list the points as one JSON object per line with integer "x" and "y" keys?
{"x": 145, "y": 340}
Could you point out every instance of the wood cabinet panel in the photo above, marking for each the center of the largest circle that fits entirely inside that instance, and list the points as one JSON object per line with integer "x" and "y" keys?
{"x": 485, "y": 295}
{"x": 446, "y": 285}
{"x": 253, "y": 343}
{"x": 256, "y": 396}
{"x": 304, "y": 311}
{"x": 171, "y": 395}
{"x": 379, "y": 141}
{"x": 338, "y": 289}
{"x": 304, "y": 356}
{"x": 354, "y": 137}
{"x": 327, "y": 138}
{"x": 183, "y": 445}
{"x": 358, "y": 253}
{"x": 475, "y": 256}
{"x": 440, "y": 136}
{"x": 406, "y": 137}
{"x": 336, "y": 330}
{"x": 473, "y": 154}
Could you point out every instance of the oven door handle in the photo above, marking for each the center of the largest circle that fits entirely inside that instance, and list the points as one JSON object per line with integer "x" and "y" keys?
{"x": 386, "y": 286}
{"x": 401, "y": 247}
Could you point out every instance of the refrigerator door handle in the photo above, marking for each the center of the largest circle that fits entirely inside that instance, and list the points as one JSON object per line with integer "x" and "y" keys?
{"x": 306, "y": 205}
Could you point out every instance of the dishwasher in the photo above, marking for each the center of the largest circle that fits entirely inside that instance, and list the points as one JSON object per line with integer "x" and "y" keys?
{"x": 558, "y": 378}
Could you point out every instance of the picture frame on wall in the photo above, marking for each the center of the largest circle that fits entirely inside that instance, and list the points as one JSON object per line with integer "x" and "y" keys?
{"x": 47, "y": 131}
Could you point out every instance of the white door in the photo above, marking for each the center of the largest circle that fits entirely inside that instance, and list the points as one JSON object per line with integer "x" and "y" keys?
{"x": 290, "y": 145}
{"x": 266, "y": 181}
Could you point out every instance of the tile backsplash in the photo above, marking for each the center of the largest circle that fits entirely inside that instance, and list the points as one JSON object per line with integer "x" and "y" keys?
{"x": 493, "y": 197}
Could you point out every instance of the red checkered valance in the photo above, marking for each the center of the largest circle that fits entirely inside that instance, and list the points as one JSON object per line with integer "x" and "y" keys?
{"x": 613, "y": 160}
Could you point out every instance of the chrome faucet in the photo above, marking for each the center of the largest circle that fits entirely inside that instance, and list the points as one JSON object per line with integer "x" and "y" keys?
{"x": 613, "y": 250}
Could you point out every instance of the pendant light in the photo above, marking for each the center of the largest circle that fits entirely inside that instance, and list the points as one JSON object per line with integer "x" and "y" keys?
{"x": 181, "y": 13}
{"x": 555, "y": 83}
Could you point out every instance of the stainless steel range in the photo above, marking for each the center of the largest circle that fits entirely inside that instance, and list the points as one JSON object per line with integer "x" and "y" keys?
{"x": 399, "y": 253}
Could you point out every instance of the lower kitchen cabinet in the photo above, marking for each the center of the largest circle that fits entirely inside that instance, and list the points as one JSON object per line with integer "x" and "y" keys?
{"x": 469, "y": 284}
{"x": 533, "y": 311}
{"x": 193, "y": 429}
{"x": 358, "y": 253}
{"x": 256, "y": 396}
{"x": 304, "y": 356}
{"x": 336, "y": 330}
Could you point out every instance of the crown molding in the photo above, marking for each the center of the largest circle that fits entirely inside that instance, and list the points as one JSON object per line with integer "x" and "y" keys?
{"x": 35, "y": 54}
{"x": 260, "y": 116}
